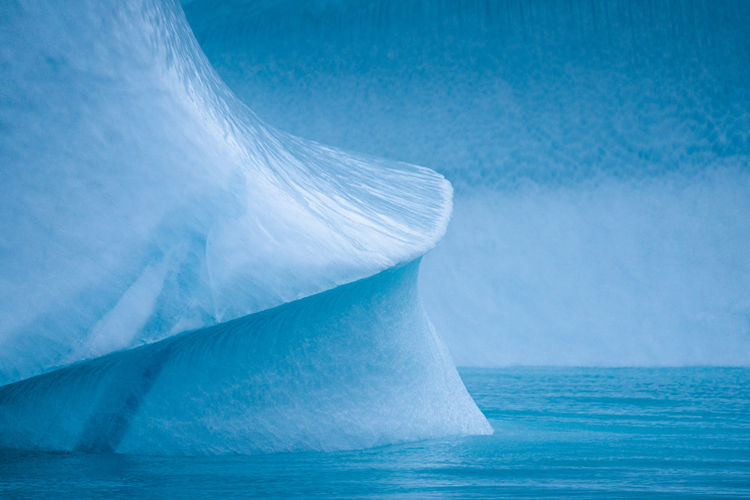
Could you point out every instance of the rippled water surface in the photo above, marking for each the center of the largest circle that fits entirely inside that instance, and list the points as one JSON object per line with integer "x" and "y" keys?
{"x": 572, "y": 432}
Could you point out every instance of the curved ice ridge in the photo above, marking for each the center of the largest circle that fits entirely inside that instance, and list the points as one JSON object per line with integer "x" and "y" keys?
{"x": 140, "y": 199}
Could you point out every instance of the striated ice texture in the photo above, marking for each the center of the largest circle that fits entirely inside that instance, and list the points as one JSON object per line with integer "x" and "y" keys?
{"x": 140, "y": 199}
{"x": 600, "y": 152}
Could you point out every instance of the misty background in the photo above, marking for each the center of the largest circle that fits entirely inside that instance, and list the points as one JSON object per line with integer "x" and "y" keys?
{"x": 599, "y": 151}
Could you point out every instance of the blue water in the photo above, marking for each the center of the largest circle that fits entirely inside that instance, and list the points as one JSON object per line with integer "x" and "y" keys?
{"x": 572, "y": 432}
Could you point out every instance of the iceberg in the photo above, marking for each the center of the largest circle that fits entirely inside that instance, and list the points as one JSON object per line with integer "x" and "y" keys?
{"x": 178, "y": 277}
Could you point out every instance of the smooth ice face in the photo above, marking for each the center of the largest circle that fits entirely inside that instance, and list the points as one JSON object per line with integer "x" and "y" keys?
{"x": 352, "y": 367}
{"x": 139, "y": 198}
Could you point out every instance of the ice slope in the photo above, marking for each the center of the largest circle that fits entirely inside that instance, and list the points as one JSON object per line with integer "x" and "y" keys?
{"x": 139, "y": 198}
{"x": 599, "y": 150}
{"x": 355, "y": 366}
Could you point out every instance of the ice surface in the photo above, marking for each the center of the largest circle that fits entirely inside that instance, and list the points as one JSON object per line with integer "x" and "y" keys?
{"x": 139, "y": 198}
{"x": 599, "y": 150}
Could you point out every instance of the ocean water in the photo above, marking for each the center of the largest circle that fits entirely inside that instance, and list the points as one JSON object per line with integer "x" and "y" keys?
{"x": 559, "y": 432}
